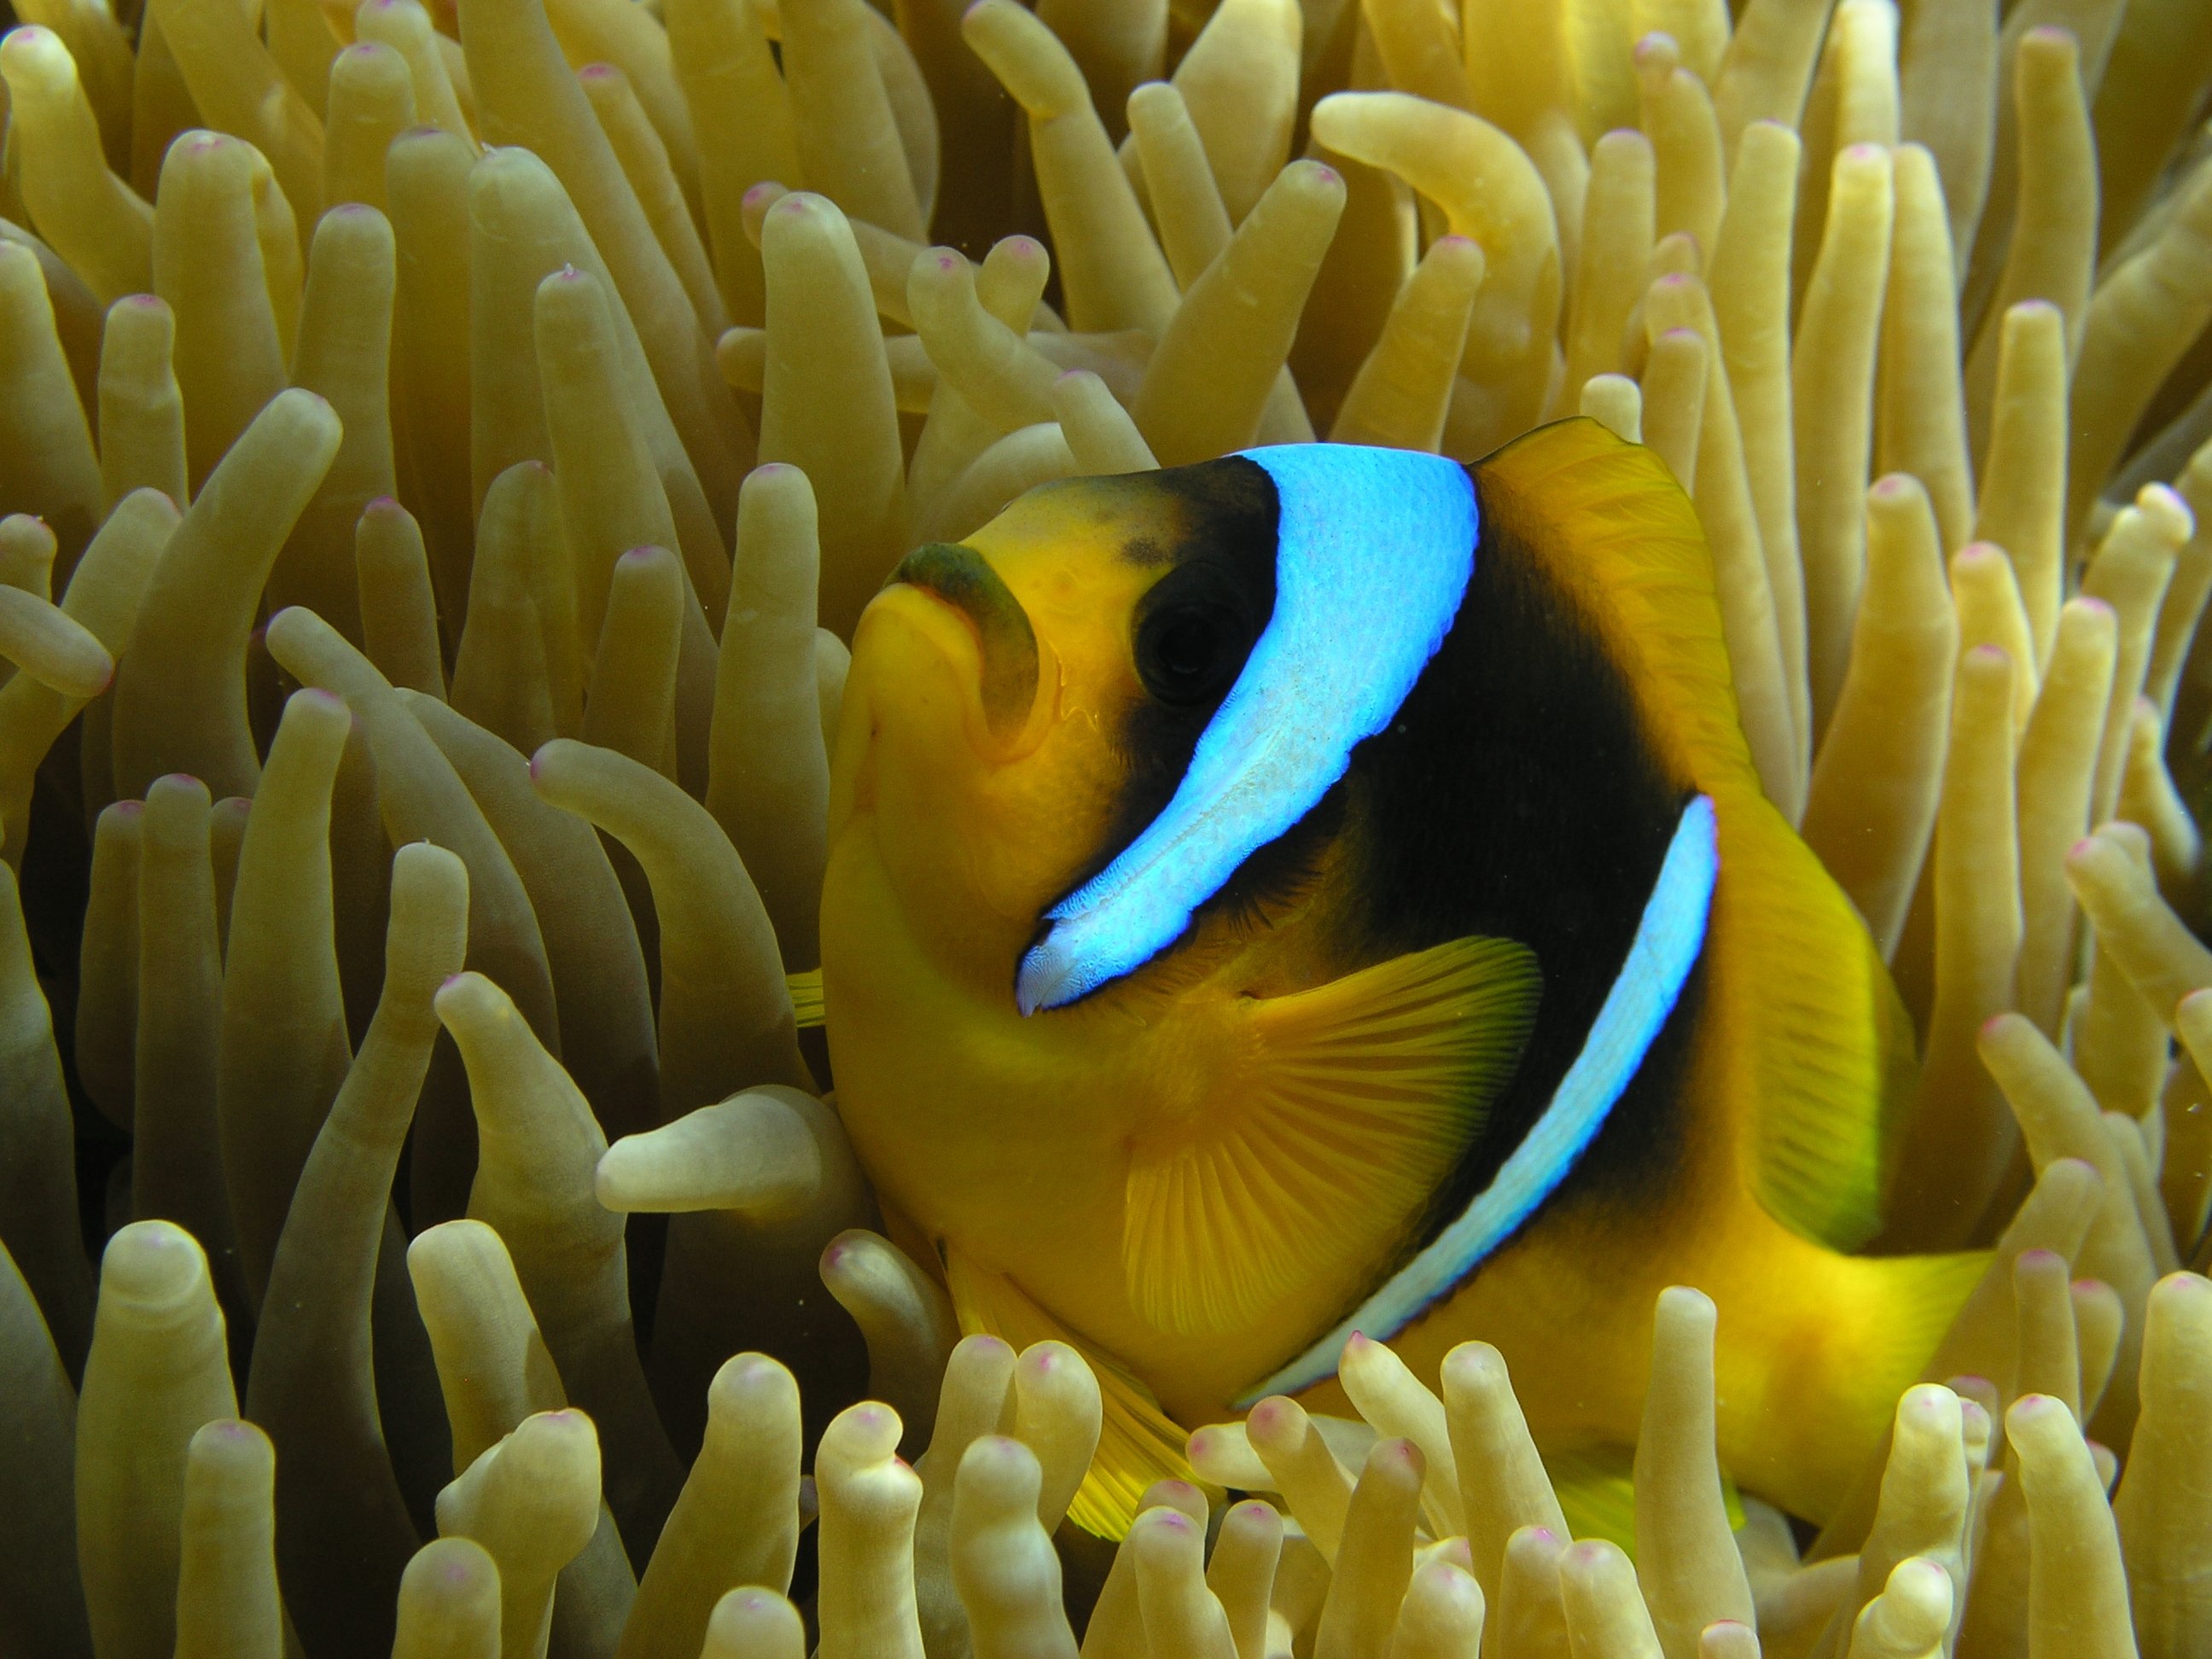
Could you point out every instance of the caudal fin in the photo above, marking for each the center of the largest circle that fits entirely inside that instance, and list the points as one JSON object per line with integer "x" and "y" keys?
{"x": 1868, "y": 1328}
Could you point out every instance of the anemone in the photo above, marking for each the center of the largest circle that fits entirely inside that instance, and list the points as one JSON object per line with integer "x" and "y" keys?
{"x": 445, "y": 451}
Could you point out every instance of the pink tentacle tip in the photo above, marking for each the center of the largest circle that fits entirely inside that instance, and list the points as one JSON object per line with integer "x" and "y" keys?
{"x": 596, "y": 72}
{"x": 451, "y": 981}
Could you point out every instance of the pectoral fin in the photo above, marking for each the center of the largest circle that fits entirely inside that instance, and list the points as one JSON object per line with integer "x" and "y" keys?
{"x": 805, "y": 991}
{"x": 1348, "y": 1107}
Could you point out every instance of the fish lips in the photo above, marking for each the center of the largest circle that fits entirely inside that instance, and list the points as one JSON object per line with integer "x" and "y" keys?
{"x": 1010, "y": 660}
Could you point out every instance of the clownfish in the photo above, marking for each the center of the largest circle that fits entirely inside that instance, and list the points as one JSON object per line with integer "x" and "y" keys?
{"x": 1325, "y": 889}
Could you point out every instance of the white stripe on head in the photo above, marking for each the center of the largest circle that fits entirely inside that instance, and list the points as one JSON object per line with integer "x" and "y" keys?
{"x": 1373, "y": 550}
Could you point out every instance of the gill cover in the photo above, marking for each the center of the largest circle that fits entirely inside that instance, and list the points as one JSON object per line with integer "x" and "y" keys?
{"x": 1374, "y": 549}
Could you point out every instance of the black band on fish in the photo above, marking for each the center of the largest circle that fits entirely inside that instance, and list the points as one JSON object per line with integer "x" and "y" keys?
{"x": 1668, "y": 939}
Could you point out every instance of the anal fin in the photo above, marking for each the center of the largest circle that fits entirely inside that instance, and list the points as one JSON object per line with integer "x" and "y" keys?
{"x": 1137, "y": 1442}
{"x": 1596, "y": 1489}
{"x": 1349, "y": 1103}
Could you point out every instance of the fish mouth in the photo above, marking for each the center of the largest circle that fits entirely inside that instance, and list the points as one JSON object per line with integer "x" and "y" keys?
{"x": 1006, "y": 645}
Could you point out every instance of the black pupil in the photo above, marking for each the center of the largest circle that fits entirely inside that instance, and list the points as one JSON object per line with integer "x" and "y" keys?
{"x": 1188, "y": 643}
{"x": 1193, "y": 632}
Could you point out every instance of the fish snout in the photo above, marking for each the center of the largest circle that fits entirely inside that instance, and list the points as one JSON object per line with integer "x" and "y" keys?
{"x": 1006, "y": 644}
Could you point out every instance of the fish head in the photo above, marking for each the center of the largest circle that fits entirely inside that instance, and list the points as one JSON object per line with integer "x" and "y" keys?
{"x": 1023, "y": 702}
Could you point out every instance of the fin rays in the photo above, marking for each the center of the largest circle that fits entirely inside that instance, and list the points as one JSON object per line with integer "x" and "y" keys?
{"x": 1359, "y": 1097}
{"x": 1138, "y": 1444}
{"x": 1669, "y": 941}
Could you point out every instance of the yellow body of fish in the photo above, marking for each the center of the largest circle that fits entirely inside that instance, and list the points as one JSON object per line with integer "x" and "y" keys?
{"x": 1184, "y": 1173}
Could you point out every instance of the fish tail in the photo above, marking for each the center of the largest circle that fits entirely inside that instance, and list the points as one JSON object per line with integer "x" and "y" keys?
{"x": 1862, "y": 1329}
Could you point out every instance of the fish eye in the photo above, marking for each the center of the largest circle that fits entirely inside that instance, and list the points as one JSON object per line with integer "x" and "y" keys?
{"x": 1192, "y": 638}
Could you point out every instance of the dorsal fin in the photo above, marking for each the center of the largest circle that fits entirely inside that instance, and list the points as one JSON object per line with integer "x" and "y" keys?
{"x": 1814, "y": 1046}
{"x": 1347, "y": 1105}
